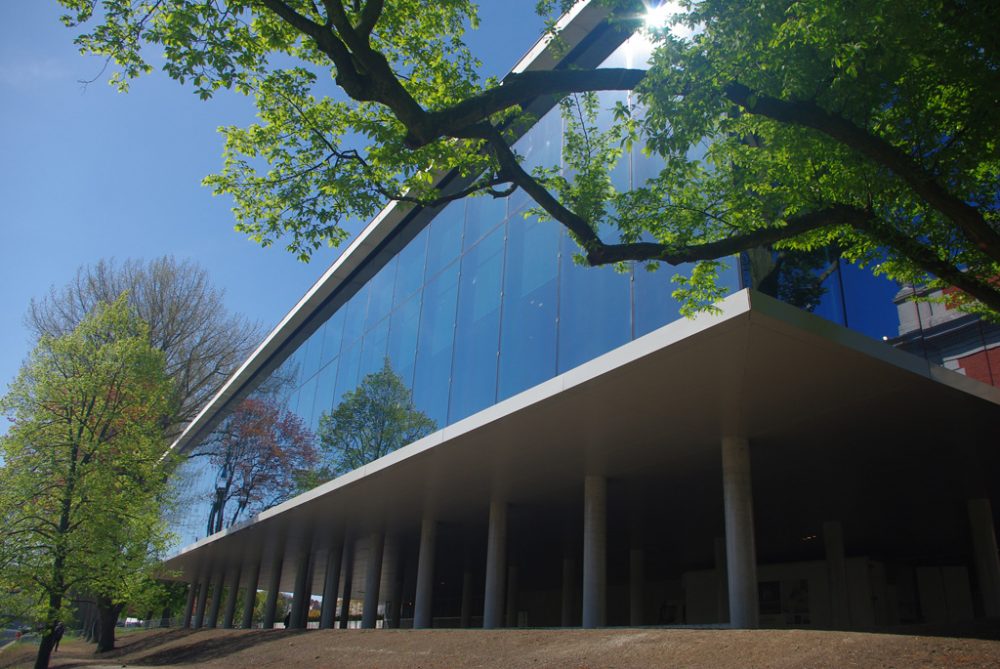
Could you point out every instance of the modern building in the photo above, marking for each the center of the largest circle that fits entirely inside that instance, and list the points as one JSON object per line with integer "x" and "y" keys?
{"x": 931, "y": 327}
{"x": 599, "y": 460}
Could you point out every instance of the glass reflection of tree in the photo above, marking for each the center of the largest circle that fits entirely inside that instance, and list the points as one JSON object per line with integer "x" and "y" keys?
{"x": 258, "y": 454}
{"x": 371, "y": 421}
{"x": 793, "y": 276}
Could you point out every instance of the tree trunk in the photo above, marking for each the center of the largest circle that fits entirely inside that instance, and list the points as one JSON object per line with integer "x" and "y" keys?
{"x": 45, "y": 650}
{"x": 48, "y": 640}
{"x": 108, "y": 618}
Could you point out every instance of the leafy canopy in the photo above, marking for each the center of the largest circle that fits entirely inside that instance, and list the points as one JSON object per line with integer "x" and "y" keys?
{"x": 780, "y": 124}
{"x": 83, "y": 477}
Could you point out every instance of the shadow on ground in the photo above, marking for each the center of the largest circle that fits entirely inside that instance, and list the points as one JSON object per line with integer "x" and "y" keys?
{"x": 988, "y": 630}
{"x": 185, "y": 646}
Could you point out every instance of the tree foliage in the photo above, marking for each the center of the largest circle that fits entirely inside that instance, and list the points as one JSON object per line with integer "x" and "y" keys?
{"x": 202, "y": 342}
{"x": 815, "y": 122}
{"x": 84, "y": 472}
{"x": 259, "y": 453}
{"x": 373, "y": 420}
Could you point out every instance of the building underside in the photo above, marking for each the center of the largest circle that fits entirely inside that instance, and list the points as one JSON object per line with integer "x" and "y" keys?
{"x": 620, "y": 493}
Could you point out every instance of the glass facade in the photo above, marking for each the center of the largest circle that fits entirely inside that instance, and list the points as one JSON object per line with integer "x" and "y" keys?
{"x": 482, "y": 304}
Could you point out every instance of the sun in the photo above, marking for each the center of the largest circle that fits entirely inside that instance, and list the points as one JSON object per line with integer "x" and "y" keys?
{"x": 658, "y": 14}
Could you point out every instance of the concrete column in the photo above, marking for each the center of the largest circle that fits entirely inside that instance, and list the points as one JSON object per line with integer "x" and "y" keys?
{"x": 399, "y": 585}
{"x": 392, "y": 589}
{"x": 636, "y": 585}
{"x": 189, "y": 607}
{"x": 199, "y": 611}
{"x": 496, "y": 564}
{"x": 373, "y": 578}
{"x": 302, "y": 595}
{"x": 345, "y": 604}
{"x": 250, "y": 595}
{"x": 331, "y": 581}
{"x": 465, "y": 614}
{"x": 217, "y": 586}
{"x": 234, "y": 588}
{"x": 722, "y": 580}
{"x": 512, "y": 589}
{"x": 836, "y": 564}
{"x": 271, "y": 604}
{"x": 741, "y": 556}
{"x": 595, "y": 502}
{"x": 984, "y": 545}
{"x": 425, "y": 573}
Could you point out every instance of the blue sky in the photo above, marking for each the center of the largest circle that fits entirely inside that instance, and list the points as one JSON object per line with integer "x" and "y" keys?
{"x": 87, "y": 173}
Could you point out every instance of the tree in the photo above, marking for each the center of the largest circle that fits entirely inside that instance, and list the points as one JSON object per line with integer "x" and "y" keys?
{"x": 203, "y": 343}
{"x": 821, "y": 124}
{"x": 375, "y": 419}
{"x": 258, "y": 453}
{"x": 83, "y": 470}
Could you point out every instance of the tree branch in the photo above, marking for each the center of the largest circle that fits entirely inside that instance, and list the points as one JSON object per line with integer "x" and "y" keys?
{"x": 511, "y": 168}
{"x": 931, "y": 262}
{"x": 807, "y": 114}
{"x": 370, "y": 15}
{"x": 348, "y": 77}
{"x": 648, "y": 251}
{"x": 516, "y": 89}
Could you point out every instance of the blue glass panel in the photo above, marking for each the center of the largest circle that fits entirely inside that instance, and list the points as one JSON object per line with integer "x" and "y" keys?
{"x": 354, "y": 316}
{"x": 380, "y": 301}
{"x": 540, "y": 146}
{"x": 281, "y": 381}
{"x": 729, "y": 275}
{"x": 477, "y": 332}
{"x": 326, "y": 385}
{"x": 528, "y": 326}
{"x": 869, "y": 301}
{"x": 654, "y": 304}
{"x": 312, "y": 350}
{"x": 434, "y": 345}
{"x": 293, "y": 401}
{"x": 294, "y": 367}
{"x": 831, "y": 303}
{"x": 410, "y": 273}
{"x": 307, "y": 397}
{"x": 332, "y": 337}
{"x": 445, "y": 240}
{"x": 482, "y": 215}
{"x": 402, "y": 347}
{"x": 347, "y": 371}
{"x": 373, "y": 349}
{"x": 594, "y": 309}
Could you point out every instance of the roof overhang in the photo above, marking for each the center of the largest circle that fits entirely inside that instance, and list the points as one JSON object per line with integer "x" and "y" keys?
{"x": 837, "y": 422}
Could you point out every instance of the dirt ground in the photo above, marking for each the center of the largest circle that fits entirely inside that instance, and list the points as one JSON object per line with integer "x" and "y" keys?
{"x": 509, "y": 649}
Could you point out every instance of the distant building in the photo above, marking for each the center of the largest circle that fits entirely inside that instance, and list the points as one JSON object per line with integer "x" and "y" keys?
{"x": 945, "y": 336}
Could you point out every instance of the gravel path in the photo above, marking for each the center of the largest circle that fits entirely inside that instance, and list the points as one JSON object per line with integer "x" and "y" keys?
{"x": 516, "y": 649}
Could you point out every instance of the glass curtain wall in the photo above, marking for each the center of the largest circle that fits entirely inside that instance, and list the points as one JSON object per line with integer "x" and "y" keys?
{"x": 482, "y": 304}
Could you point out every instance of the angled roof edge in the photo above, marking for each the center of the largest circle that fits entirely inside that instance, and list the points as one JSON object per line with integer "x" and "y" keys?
{"x": 575, "y": 27}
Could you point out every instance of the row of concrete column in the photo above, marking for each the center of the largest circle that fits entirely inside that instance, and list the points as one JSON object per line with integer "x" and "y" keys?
{"x": 735, "y": 558}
